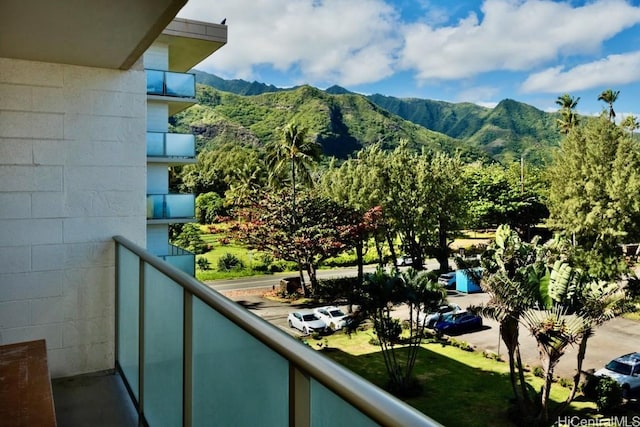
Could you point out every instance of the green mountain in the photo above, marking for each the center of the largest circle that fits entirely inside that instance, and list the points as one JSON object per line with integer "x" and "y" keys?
{"x": 505, "y": 132}
{"x": 341, "y": 124}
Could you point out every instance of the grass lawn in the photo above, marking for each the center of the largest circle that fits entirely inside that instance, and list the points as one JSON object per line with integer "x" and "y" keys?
{"x": 460, "y": 388}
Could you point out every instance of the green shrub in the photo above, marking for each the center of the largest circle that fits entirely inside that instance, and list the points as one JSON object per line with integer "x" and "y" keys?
{"x": 229, "y": 262}
{"x": 374, "y": 341}
{"x": 609, "y": 394}
{"x": 589, "y": 387}
{"x": 335, "y": 289}
{"x": 538, "y": 371}
{"x": 203, "y": 264}
{"x": 565, "y": 382}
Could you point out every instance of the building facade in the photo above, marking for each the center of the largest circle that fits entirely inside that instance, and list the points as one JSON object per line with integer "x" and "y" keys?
{"x": 73, "y": 163}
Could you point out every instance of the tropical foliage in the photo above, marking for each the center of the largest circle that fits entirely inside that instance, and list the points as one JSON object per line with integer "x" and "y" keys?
{"x": 593, "y": 194}
{"x": 536, "y": 286}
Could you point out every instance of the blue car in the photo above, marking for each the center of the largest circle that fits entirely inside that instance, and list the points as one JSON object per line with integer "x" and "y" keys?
{"x": 458, "y": 323}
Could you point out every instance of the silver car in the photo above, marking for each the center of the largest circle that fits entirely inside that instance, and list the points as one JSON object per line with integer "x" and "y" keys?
{"x": 626, "y": 371}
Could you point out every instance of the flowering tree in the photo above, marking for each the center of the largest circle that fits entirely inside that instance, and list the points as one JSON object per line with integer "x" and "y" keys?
{"x": 323, "y": 229}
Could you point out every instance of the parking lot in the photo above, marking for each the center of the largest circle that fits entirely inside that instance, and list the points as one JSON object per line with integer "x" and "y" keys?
{"x": 614, "y": 338}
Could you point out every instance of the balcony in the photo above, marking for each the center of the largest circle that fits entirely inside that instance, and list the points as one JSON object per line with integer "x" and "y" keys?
{"x": 178, "y": 89}
{"x": 180, "y": 258}
{"x": 172, "y": 148}
{"x": 170, "y": 208}
{"x": 189, "y": 356}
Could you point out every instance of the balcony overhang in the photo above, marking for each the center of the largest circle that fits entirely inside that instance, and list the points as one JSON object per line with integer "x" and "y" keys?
{"x": 191, "y": 41}
{"x": 175, "y": 104}
{"x": 106, "y": 34}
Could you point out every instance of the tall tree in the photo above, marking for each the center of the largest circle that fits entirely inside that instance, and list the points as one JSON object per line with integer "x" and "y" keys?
{"x": 324, "y": 229}
{"x": 594, "y": 183}
{"x": 449, "y": 196}
{"x": 630, "y": 123}
{"x": 609, "y": 96}
{"x": 569, "y": 118}
{"x": 500, "y": 194}
{"x": 292, "y": 157}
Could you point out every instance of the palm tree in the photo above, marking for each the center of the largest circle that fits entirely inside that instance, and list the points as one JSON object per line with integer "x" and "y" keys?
{"x": 508, "y": 270}
{"x": 609, "y": 96}
{"x": 569, "y": 118}
{"x": 294, "y": 154}
{"x": 630, "y": 123}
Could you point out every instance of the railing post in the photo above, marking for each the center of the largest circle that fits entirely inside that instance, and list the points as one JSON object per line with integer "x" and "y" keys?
{"x": 187, "y": 358}
{"x": 141, "y": 342}
{"x": 299, "y": 398}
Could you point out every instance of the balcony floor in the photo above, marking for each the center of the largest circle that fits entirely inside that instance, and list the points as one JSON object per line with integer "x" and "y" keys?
{"x": 98, "y": 399}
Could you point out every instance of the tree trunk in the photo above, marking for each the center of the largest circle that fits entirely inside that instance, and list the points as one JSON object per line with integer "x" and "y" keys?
{"x": 379, "y": 252}
{"x": 442, "y": 254}
{"x": 311, "y": 271}
{"x": 392, "y": 249}
{"x": 305, "y": 291}
{"x": 360, "y": 279}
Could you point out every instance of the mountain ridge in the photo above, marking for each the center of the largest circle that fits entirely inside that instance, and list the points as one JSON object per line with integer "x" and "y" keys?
{"x": 504, "y": 132}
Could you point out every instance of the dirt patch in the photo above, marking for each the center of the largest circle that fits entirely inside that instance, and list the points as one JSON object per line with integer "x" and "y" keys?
{"x": 246, "y": 292}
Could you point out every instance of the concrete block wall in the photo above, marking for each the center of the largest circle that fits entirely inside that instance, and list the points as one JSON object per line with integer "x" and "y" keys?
{"x": 72, "y": 175}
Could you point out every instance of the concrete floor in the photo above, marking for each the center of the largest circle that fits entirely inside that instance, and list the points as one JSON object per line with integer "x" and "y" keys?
{"x": 96, "y": 400}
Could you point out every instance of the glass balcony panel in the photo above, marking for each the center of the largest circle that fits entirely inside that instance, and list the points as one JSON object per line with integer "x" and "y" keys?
{"x": 180, "y": 84}
{"x": 180, "y": 145}
{"x": 237, "y": 380}
{"x": 329, "y": 409}
{"x": 155, "y": 206}
{"x": 186, "y": 262}
{"x": 161, "y": 144}
{"x": 168, "y": 206}
{"x": 155, "y": 82}
{"x": 128, "y": 312}
{"x": 180, "y": 206}
{"x": 155, "y": 144}
{"x": 163, "y": 356}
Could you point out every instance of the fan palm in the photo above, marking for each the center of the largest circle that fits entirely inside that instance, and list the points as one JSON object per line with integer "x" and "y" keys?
{"x": 569, "y": 118}
{"x": 294, "y": 154}
{"x": 609, "y": 96}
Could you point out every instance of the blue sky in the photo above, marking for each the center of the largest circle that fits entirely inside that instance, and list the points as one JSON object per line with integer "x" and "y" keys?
{"x": 451, "y": 50}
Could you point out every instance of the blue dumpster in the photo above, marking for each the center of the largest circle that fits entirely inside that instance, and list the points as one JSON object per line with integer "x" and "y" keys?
{"x": 465, "y": 282}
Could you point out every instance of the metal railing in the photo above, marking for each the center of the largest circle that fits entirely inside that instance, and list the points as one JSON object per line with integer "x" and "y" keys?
{"x": 189, "y": 356}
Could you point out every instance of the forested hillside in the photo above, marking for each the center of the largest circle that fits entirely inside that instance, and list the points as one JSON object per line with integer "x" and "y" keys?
{"x": 341, "y": 124}
{"x": 504, "y": 132}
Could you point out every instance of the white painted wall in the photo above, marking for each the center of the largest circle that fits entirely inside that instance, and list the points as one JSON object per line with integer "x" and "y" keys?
{"x": 157, "y": 56}
{"x": 157, "y": 116}
{"x": 72, "y": 175}
{"x": 157, "y": 239}
{"x": 157, "y": 178}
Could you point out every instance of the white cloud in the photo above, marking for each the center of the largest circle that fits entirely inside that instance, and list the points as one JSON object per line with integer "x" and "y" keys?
{"x": 337, "y": 41}
{"x": 610, "y": 71}
{"x": 479, "y": 95}
{"x": 513, "y": 35}
{"x": 355, "y": 42}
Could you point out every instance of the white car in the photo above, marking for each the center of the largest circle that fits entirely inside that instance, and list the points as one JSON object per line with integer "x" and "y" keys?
{"x": 306, "y": 321}
{"x": 625, "y": 370}
{"x": 334, "y": 318}
{"x": 430, "y": 319}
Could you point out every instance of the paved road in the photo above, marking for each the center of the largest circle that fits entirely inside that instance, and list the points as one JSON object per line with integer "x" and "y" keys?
{"x": 267, "y": 281}
{"x": 616, "y": 337}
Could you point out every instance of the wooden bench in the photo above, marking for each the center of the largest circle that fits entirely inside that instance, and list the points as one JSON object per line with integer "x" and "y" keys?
{"x": 25, "y": 386}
